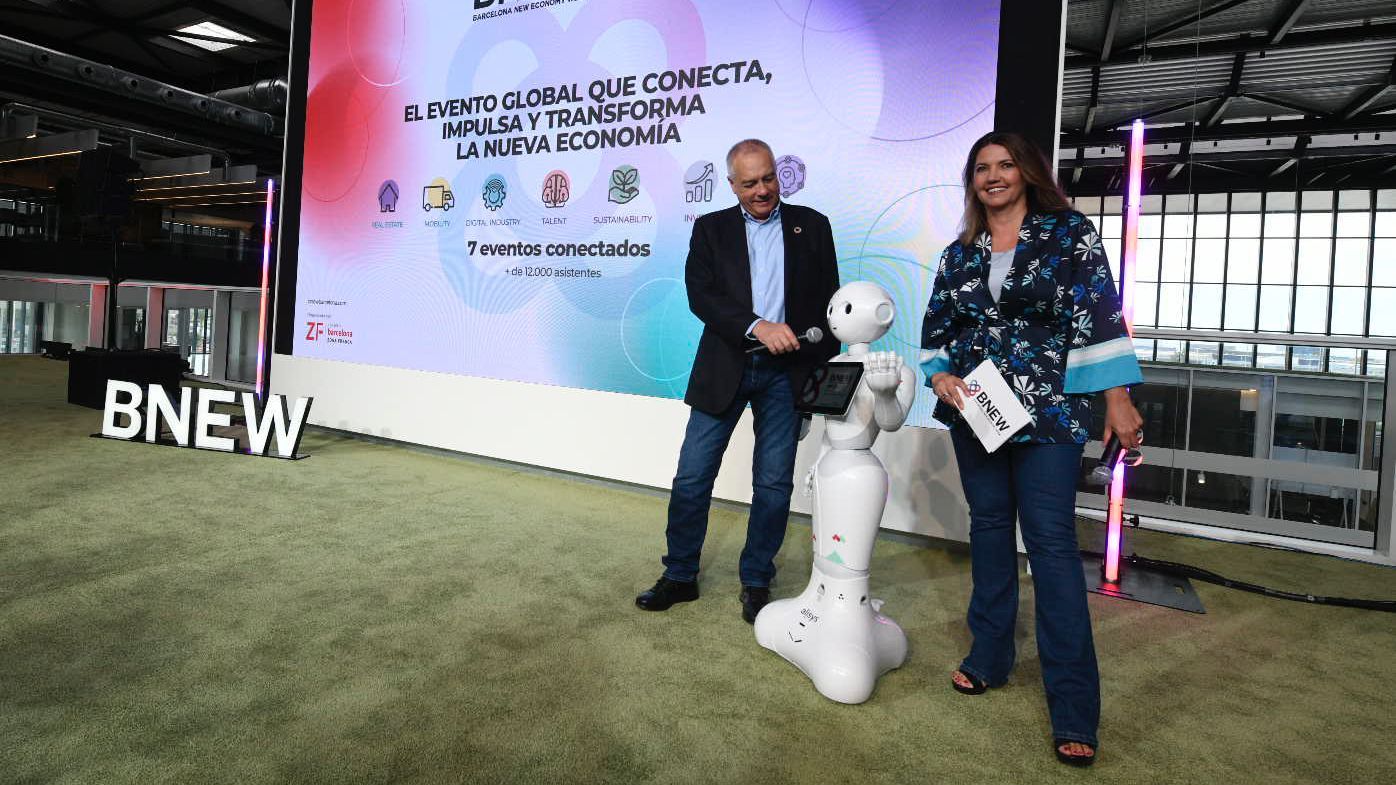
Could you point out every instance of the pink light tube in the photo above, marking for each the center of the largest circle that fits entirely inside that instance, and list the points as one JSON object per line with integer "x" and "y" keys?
{"x": 266, "y": 272}
{"x": 1132, "y": 200}
{"x": 1114, "y": 520}
{"x": 1116, "y": 511}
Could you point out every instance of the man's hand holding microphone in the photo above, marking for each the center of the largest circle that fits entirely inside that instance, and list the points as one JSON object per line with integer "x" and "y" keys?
{"x": 778, "y": 338}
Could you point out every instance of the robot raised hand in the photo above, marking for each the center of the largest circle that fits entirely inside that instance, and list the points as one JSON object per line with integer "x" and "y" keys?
{"x": 833, "y": 631}
{"x": 883, "y": 371}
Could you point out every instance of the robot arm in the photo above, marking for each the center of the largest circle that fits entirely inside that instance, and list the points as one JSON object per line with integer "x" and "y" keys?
{"x": 894, "y": 388}
{"x": 824, "y": 447}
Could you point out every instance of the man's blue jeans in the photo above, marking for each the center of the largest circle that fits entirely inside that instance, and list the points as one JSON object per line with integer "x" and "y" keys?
{"x": 1035, "y": 483}
{"x": 766, "y": 387}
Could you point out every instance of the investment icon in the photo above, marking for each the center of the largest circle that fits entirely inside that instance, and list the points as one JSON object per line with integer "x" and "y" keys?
{"x": 791, "y": 173}
{"x": 387, "y": 197}
{"x": 625, "y": 184}
{"x": 557, "y": 188}
{"x": 494, "y": 192}
{"x": 698, "y": 182}
{"x": 438, "y": 195}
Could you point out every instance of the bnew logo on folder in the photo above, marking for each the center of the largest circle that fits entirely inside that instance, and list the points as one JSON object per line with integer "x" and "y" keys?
{"x": 992, "y": 410}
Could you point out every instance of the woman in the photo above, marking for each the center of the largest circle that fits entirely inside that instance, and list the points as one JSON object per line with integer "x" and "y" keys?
{"x": 1027, "y": 286}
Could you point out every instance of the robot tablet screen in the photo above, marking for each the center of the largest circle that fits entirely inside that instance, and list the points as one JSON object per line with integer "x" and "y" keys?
{"x": 829, "y": 388}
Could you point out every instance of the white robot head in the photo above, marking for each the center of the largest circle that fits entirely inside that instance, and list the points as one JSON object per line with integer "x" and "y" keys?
{"x": 861, "y": 312}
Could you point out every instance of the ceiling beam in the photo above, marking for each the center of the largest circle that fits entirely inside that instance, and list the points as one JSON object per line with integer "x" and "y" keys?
{"x": 1094, "y": 106}
{"x": 47, "y": 13}
{"x": 1161, "y": 111}
{"x": 1110, "y": 134}
{"x": 1233, "y": 91}
{"x": 1205, "y": 178}
{"x": 1188, "y": 156}
{"x": 1300, "y": 145}
{"x": 1286, "y": 21}
{"x": 1112, "y": 25}
{"x": 68, "y": 46}
{"x": 156, "y": 13}
{"x": 1371, "y": 95}
{"x": 1183, "y": 153}
{"x": 1285, "y": 103}
{"x": 1182, "y": 22}
{"x": 83, "y": 12}
{"x": 1188, "y": 50}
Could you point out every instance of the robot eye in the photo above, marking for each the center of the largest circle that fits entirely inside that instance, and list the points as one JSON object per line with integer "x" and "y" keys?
{"x": 831, "y": 310}
{"x": 848, "y": 308}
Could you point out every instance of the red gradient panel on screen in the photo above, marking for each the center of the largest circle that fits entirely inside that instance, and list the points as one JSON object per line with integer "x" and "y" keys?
{"x": 352, "y": 134}
{"x": 376, "y": 37}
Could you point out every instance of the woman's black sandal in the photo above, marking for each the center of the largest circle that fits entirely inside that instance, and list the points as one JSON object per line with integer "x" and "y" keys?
{"x": 1073, "y": 760}
{"x": 976, "y": 685}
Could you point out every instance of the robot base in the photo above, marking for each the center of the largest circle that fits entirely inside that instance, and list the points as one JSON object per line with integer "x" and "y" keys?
{"x": 834, "y": 633}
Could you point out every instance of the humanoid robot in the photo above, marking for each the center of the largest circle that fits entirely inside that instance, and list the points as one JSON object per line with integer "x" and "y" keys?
{"x": 834, "y": 632}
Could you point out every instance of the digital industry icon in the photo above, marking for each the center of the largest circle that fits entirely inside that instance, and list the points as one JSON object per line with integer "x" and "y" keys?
{"x": 494, "y": 192}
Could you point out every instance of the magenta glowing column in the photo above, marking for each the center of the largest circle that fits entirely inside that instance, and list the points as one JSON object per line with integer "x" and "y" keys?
{"x": 266, "y": 274}
{"x": 1116, "y": 508}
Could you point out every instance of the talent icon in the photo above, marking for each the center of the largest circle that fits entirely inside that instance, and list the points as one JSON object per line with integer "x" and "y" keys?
{"x": 698, "y": 182}
{"x": 438, "y": 194}
{"x": 791, "y": 173}
{"x": 557, "y": 188}
{"x": 625, "y": 184}
{"x": 494, "y": 192}
{"x": 387, "y": 197}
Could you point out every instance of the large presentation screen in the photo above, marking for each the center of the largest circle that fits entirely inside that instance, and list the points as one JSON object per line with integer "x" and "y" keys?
{"x": 506, "y": 188}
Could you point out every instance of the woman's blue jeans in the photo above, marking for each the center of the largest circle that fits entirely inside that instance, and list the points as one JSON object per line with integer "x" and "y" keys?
{"x": 1036, "y": 484}
{"x": 766, "y": 386}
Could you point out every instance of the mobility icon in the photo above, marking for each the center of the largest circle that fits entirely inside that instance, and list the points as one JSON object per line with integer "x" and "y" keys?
{"x": 438, "y": 194}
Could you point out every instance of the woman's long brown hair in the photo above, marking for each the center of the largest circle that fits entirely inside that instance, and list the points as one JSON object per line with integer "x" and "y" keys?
{"x": 1043, "y": 192}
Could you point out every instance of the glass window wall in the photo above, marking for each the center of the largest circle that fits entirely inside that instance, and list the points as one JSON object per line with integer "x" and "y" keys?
{"x": 1317, "y": 262}
{"x": 190, "y": 332}
{"x": 1283, "y": 452}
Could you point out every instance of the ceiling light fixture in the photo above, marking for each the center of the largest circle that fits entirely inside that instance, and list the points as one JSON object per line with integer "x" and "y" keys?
{"x": 50, "y": 146}
{"x": 212, "y": 30}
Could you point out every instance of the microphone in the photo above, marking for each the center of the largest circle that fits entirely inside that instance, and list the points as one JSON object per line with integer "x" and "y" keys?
{"x": 812, "y": 335}
{"x": 1112, "y": 455}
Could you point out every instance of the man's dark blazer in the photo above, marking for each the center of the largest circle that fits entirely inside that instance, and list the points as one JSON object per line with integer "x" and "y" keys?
{"x": 718, "y": 277}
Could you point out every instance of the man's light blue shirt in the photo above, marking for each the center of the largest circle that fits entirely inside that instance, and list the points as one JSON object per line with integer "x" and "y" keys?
{"x": 765, "y": 243}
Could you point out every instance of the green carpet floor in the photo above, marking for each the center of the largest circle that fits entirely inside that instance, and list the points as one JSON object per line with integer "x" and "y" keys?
{"x": 382, "y": 614}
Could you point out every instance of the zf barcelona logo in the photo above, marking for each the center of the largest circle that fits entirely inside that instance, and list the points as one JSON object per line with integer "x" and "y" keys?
{"x": 314, "y": 330}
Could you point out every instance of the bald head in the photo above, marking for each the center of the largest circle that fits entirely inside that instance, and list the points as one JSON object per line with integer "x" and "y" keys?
{"x": 748, "y": 146}
{"x": 751, "y": 171}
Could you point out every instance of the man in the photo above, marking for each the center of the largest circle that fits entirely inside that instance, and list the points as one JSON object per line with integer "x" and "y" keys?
{"x": 757, "y": 274}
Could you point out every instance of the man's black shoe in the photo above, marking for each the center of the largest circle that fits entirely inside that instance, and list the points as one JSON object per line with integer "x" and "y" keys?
{"x": 665, "y": 593}
{"x": 754, "y": 598}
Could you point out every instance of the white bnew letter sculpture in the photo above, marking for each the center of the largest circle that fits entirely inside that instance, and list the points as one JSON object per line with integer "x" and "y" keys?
{"x": 833, "y": 631}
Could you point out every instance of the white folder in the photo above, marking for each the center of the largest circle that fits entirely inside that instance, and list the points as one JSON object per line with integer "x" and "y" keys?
{"x": 992, "y": 410}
